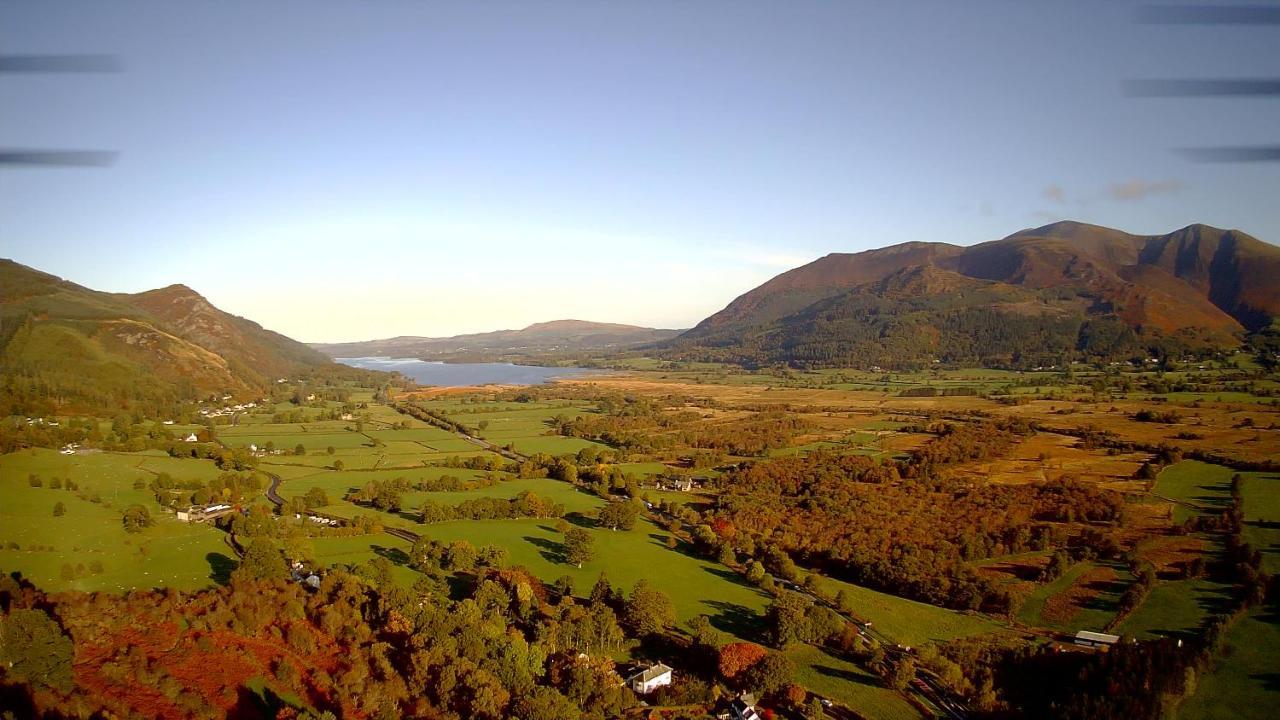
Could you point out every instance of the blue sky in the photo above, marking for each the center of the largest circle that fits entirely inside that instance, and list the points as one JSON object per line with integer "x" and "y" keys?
{"x": 348, "y": 170}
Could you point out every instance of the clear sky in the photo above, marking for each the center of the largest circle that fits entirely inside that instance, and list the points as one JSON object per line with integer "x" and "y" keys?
{"x": 351, "y": 170}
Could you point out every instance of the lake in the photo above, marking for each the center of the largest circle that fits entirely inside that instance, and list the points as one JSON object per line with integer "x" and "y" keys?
{"x": 464, "y": 374}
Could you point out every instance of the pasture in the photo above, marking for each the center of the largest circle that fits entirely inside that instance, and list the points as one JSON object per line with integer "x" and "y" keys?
{"x": 90, "y": 537}
{"x": 1241, "y": 681}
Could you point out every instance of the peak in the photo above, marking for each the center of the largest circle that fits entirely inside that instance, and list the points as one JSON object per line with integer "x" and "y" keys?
{"x": 570, "y": 324}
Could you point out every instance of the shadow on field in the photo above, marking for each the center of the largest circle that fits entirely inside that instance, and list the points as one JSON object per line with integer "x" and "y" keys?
{"x": 550, "y": 550}
{"x": 220, "y": 567}
{"x": 733, "y": 618}
{"x": 846, "y": 675}
{"x": 395, "y": 555}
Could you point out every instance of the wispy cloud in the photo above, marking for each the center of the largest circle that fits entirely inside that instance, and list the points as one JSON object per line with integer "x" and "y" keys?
{"x": 1139, "y": 189}
{"x": 1055, "y": 193}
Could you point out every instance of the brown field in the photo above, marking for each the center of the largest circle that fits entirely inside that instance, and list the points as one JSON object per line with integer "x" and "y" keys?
{"x": 1062, "y": 607}
{"x": 1046, "y": 456}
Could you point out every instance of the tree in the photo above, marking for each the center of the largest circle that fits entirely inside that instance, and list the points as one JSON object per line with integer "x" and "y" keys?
{"x": 787, "y": 619}
{"x": 136, "y": 519}
{"x": 615, "y": 515}
{"x": 261, "y": 561}
{"x": 755, "y": 572}
{"x": 648, "y": 610}
{"x": 299, "y": 449}
{"x": 738, "y": 657}
{"x": 578, "y": 546}
{"x": 34, "y": 648}
{"x": 59, "y": 509}
{"x": 814, "y": 710}
{"x": 903, "y": 672}
{"x": 771, "y": 674}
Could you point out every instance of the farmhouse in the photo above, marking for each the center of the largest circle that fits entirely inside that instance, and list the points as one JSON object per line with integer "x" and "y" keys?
{"x": 1093, "y": 639}
{"x": 650, "y": 679}
{"x": 206, "y": 513}
{"x": 743, "y": 707}
{"x": 191, "y": 438}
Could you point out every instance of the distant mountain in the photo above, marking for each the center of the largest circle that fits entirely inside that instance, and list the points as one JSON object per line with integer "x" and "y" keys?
{"x": 1063, "y": 290}
{"x": 64, "y": 347}
{"x": 555, "y": 337}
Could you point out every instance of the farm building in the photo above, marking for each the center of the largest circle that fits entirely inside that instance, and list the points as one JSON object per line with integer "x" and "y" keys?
{"x": 1093, "y": 639}
{"x": 650, "y": 679}
{"x": 743, "y": 707}
{"x": 206, "y": 513}
{"x": 192, "y": 438}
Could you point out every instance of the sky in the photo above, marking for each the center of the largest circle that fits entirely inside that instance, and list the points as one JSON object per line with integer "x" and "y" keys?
{"x": 353, "y": 170}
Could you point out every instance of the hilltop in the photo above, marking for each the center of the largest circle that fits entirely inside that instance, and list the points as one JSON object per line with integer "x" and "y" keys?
{"x": 65, "y": 347}
{"x": 1036, "y": 296}
{"x": 553, "y": 337}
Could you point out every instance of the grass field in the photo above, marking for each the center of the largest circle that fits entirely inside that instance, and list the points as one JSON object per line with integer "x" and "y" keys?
{"x": 169, "y": 554}
{"x": 848, "y": 684}
{"x": 1175, "y": 608}
{"x": 909, "y": 622}
{"x": 1243, "y": 680}
{"x": 1262, "y": 517}
{"x": 363, "y": 548}
{"x": 1199, "y": 484}
{"x": 696, "y": 586}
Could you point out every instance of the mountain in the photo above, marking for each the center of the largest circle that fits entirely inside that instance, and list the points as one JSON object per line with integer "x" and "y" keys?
{"x": 555, "y": 337}
{"x": 1039, "y": 295}
{"x": 67, "y": 348}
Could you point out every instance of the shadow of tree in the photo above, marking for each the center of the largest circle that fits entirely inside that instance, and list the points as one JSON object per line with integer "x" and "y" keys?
{"x": 395, "y": 555}
{"x": 846, "y": 675}
{"x": 220, "y": 567}
{"x": 550, "y": 550}
{"x": 735, "y": 618}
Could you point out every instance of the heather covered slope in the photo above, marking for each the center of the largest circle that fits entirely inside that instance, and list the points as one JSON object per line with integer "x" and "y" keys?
{"x": 67, "y": 348}
{"x": 1036, "y": 297}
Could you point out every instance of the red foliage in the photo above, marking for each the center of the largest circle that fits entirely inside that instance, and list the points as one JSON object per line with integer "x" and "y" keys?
{"x": 737, "y": 657}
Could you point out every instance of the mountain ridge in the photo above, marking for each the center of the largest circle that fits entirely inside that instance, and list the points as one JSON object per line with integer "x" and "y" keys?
{"x": 1195, "y": 287}
{"x": 566, "y": 335}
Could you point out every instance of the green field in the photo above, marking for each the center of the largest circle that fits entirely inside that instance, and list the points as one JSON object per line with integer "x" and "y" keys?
{"x": 848, "y": 684}
{"x": 906, "y": 621}
{"x": 363, "y": 548}
{"x": 1174, "y": 608}
{"x": 1241, "y": 681}
{"x": 696, "y": 586}
{"x": 1200, "y": 484}
{"x": 170, "y": 554}
{"x": 1261, "y": 494}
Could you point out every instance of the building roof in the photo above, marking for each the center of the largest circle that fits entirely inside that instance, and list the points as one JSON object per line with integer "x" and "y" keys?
{"x": 1097, "y": 637}
{"x": 652, "y": 673}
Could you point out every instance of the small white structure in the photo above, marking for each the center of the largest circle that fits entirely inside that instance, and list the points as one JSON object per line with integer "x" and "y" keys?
{"x": 650, "y": 679}
{"x": 1094, "y": 639}
{"x": 191, "y": 438}
{"x": 743, "y": 707}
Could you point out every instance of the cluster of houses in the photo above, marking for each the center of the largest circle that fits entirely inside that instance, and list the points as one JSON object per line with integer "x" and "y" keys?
{"x": 680, "y": 483}
{"x": 226, "y": 410}
{"x": 205, "y": 513}
{"x": 69, "y": 449}
{"x": 42, "y": 421}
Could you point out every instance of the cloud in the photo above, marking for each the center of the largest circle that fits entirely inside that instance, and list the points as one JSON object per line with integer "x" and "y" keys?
{"x": 1055, "y": 193}
{"x": 1139, "y": 189}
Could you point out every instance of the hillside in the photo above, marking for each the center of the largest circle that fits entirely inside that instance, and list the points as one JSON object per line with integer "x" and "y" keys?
{"x": 67, "y": 348}
{"x": 1036, "y": 297}
{"x": 557, "y": 336}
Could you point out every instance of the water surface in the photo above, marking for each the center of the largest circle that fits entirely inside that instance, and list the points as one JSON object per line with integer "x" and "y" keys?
{"x": 463, "y": 374}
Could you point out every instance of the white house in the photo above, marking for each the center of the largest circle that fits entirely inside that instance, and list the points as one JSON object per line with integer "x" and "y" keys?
{"x": 650, "y": 679}
{"x": 191, "y": 438}
{"x": 743, "y": 707}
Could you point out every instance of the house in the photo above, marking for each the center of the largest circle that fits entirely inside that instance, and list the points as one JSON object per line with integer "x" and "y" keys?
{"x": 1093, "y": 639}
{"x": 650, "y": 679}
{"x": 191, "y": 438}
{"x": 168, "y": 422}
{"x": 743, "y": 707}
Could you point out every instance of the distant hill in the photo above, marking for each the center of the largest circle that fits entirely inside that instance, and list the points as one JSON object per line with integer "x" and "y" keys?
{"x": 64, "y": 347}
{"x": 1038, "y": 296}
{"x": 555, "y": 337}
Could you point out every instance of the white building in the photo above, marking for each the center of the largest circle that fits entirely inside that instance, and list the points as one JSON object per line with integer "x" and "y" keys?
{"x": 650, "y": 679}
{"x": 191, "y": 438}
